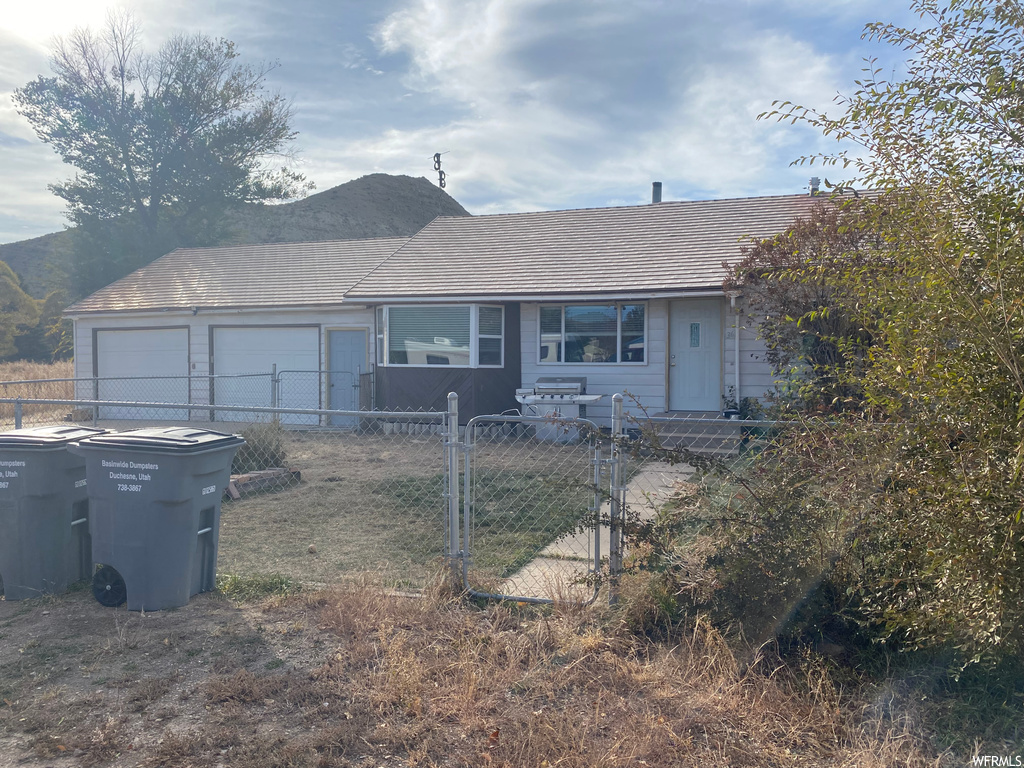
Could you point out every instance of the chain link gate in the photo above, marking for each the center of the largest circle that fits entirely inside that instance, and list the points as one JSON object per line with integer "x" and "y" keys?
{"x": 532, "y": 509}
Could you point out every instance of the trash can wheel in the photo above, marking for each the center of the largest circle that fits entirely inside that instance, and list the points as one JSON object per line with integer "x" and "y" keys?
{"x": 108, "y": 587}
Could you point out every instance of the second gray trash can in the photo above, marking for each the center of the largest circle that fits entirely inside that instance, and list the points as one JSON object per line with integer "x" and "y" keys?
{"x": 44, "y": 527}
{"x": 154, "y": 496}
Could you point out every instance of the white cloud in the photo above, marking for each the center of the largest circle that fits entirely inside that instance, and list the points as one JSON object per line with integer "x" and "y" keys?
{"x": 38, "y": 22}
{"x": 542, "y": 103}
{"x": 672, "y": 96}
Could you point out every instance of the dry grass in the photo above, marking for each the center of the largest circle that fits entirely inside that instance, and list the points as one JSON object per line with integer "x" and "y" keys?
{"x": 26, "y": 370}
{"x": 506, "y": 688}
{"x": 353, "y": 676}
{"x": 375, "y": 502}
{"x": 23, "y": 370}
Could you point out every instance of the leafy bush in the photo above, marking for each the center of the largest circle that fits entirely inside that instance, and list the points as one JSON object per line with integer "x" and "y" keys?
{"x": 264, "y": 448}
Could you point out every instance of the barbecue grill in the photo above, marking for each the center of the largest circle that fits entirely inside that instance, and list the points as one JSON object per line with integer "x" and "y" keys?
{"x": 556, "y": 399}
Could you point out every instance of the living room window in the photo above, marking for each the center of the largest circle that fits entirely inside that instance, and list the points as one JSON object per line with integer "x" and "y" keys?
{"x": 593, "y": 333}
{"x": 463, "y": 335}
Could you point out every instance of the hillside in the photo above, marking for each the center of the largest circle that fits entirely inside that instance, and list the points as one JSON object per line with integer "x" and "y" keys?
{"x": 378, "y": 205}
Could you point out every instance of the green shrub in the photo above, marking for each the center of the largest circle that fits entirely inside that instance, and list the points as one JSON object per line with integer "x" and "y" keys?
{"x": 264, "y": 447}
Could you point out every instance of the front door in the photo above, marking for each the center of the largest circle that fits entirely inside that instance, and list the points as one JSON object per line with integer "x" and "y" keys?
{"x": 347, "y": 350}
{"x": 695, "y": 355}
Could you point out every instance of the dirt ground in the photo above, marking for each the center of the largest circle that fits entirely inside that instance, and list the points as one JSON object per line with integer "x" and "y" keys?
{"x": 81, "y": 684}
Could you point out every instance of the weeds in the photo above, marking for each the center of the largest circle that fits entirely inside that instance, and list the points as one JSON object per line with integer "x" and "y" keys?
{"x": 256, "y": 587}
{"x": 128, "y": 631}
{"x": 264, "y": 447}
{"x": 377, "y": 679}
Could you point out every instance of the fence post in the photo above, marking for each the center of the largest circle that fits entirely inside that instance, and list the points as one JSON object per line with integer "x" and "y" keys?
{"x": 273, "y": 392}
{"x": 617, "y": 505}
{"x": 17, "y": 413}
{"x": 452, "y": 456}
{"x": 95, "y": 396}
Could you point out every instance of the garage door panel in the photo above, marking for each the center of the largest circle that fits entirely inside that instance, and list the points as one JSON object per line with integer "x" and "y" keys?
{"x": 147, "y": 365}
{"x": 243, "y": 359}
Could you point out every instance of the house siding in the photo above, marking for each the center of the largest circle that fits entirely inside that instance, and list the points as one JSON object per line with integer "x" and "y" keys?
{"x": 199, "y": 327}
{"x": 756, "y": 377}
{"x": 645, "y": 383}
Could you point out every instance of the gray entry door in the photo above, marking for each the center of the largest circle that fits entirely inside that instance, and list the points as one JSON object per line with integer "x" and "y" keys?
{"x": 347, "y": 350}
{"x": 695, "y": 355}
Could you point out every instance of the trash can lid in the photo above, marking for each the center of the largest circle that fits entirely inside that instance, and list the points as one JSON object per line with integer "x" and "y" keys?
{"x": 164, "y": 439}
{"x": 47, "y": 437}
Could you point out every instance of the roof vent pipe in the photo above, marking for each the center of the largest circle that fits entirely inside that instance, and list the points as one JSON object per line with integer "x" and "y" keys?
{"x": 815, "y": 185}
{"x": 656, "y": 192}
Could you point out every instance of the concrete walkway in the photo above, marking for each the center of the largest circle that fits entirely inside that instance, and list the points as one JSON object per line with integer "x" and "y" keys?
{"x": 558, "y": 572}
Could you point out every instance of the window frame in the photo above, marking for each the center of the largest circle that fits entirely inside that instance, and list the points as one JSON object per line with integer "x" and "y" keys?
{"x": 382, "y": 313}
{"x": 561, "y": 306}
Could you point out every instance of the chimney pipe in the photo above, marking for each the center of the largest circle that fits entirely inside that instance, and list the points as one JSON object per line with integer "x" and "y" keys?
{"x": 656, "y": 192}
{"x": 815, "y": 185}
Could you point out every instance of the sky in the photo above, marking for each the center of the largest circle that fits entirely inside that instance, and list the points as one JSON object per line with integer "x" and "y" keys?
{"x": 536, "y": 104}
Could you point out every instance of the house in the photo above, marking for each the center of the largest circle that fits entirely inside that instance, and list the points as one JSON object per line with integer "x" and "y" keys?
{"x": 629, "y": 297}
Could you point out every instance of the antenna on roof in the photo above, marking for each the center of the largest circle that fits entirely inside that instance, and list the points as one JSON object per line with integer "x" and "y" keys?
{"x": 841, "y": 189}
{"x": 437, "y": 167}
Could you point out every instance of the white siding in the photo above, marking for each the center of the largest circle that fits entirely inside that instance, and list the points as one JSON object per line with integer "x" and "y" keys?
{"x": 645, "y": 382}
{"x": 756, "y": 379}
{"x": 199, "y": 335}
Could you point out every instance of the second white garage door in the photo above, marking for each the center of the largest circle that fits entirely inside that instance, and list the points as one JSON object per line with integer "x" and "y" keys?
{"x": 243, "y": 359}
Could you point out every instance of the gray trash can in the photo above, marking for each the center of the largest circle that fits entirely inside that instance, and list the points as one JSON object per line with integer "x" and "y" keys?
{"x": 154, "y": 498}
{"x": 44, "y": 511}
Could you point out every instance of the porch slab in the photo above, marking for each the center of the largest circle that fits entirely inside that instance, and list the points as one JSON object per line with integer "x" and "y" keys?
{"x": 704, "y": 433}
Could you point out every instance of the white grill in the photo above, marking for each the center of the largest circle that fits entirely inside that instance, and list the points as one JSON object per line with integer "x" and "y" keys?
{"x": 557, "y": 399}
{"x": 558, "y": 390}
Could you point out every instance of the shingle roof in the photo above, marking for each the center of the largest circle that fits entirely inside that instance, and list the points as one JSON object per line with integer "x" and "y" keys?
{"x": 635, "y": 249}
{"x": 632, "y": 250}
{"x": 271, "y": 275}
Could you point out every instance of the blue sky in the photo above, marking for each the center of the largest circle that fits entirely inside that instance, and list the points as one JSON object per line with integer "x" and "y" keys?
{"x": 538, "y": 104}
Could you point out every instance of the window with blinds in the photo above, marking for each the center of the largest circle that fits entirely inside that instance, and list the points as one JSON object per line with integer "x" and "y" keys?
{"x": 466, "y": 335}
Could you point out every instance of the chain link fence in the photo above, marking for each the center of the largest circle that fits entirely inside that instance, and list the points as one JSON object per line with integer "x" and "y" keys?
{"x": 323, "y": 495}
{"x": 530, "y": 508}
{"x": 308, "y": 500}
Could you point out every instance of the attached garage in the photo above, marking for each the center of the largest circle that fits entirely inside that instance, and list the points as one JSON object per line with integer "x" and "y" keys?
{"x": 223, "y": 318}
{"x": 244, "y": 358}
{"x": 142, "y": 365}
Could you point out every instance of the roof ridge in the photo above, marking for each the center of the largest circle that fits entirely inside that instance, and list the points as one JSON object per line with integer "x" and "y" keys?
{"x": 662, "y": 204}
{"x": 290, "y": 242}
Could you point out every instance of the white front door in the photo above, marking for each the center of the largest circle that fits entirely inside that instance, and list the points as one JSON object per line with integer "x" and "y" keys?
{"x": 695, "y": 355}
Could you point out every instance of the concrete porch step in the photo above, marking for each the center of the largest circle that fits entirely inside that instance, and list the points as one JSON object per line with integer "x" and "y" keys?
{"x": 701, "y": 432}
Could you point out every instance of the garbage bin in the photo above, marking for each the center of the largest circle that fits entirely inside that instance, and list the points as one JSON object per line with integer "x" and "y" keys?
{"x": 44, "y": 511}
{"x": 154, "y": 497}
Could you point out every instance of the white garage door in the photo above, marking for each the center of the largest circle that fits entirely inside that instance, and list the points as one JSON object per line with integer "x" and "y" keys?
{"x": 239, "y": 353}
{"x": 148, "y": 365}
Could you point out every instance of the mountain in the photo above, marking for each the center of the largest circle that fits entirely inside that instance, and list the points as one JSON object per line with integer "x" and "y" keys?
{"x": 378, "y": 205}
